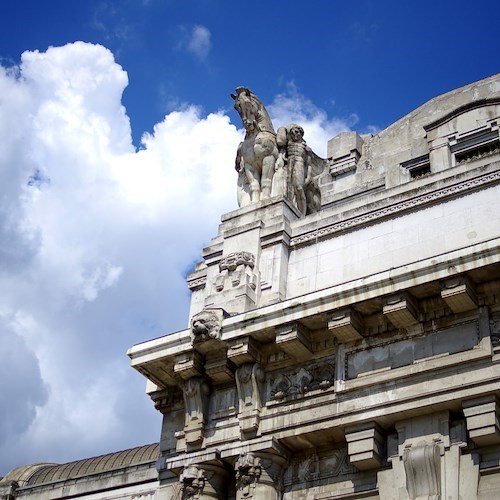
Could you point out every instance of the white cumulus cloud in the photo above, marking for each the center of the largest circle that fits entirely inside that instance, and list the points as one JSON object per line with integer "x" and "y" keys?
{"x": 199, "y": 42}
{"x": 95, "y": 238}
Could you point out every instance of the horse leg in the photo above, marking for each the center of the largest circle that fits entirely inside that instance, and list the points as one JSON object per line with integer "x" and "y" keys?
{"x": 254, "y": 183}
{"x": 267, "y": 175}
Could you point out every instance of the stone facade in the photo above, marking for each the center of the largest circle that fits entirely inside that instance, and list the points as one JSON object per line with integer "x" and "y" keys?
{"x": 351, "y": 351}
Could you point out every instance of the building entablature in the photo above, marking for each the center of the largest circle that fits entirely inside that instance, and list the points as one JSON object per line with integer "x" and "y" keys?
{"x": 343, "y": 330}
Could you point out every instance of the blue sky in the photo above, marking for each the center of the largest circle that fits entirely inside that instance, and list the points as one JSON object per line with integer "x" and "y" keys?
{"x": 117, "y": 162}
{"x": 378, "y": 60}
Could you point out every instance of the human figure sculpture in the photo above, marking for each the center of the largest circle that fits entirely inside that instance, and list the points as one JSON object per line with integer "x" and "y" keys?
{"x": 303, "y": 167}
{"x": 258, "y": 151}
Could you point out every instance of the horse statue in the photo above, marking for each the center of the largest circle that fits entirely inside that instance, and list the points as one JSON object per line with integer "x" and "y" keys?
{"x": 257, "y": 154}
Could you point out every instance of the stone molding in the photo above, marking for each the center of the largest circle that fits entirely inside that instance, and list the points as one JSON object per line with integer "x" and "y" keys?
{"x": 397, "y": 208}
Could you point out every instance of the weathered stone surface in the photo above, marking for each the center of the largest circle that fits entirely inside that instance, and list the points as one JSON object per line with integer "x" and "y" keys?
{"x": 360, "y": 352}
{"x": 368, "y": 346}
{"x": 270, "y": 164}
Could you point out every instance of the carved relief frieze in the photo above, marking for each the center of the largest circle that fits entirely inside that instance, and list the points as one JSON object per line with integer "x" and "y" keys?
{"x": 236, "y": 269}
{"x": 197, "y": 283}
{"x": 249, "y": 380}
{"x": 315, "y": 467}
{"x": 296, "y": 384}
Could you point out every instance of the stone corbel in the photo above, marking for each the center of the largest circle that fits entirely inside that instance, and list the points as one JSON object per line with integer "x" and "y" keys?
{"x": 483, "y": 416}
{"x": 459, "y": 294}
{"x": 294, "y": 339}
{"x": 189, "y": 364}
{"x": 219, "y": 368}
{"x": 366, "y": 446}
{"x": 244, "y": 350}
{"x": 196, "y": 393}
{"x": 401, "y": 310}
{"x": 249, "y": 380}
{"x": 346, "y": 325}
{"x": 422, "y": 468}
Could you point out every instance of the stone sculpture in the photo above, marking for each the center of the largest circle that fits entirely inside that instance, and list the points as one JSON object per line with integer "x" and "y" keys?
{"x": 206, "y": 325}
{"x": 248, "y": 471}
{"x": 302, "y": 168}
{"x": 274, "y": 165}
{"x": 192, "y": 482}
{"x": 257, "y": 153}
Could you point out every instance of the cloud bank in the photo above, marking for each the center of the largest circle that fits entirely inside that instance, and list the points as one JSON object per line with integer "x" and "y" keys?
{"x": 95, "y": 240}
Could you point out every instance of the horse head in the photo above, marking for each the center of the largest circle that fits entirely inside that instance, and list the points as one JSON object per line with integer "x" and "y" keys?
{"x": 247, "y": 108}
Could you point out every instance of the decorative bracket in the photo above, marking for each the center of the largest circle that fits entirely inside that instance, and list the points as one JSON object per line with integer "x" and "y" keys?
{"x": 346, "y": 325}
{"x": 401, "y": 310}
{"x": 249, "y": 380}
{"x": 294, "y": 339}
{"x": 196, "y": 392}
{"x": 422, "y": 468}
{"x": 459, "y": 294}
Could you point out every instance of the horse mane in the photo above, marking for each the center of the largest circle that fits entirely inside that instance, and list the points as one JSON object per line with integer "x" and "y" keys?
{"x": 263, "y": 118}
